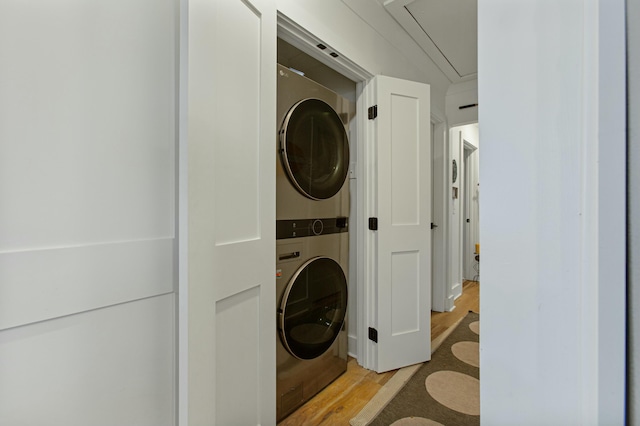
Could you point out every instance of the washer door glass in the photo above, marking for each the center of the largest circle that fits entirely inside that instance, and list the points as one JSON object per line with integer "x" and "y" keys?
{"x": 315, "y": 149}
{"x": 313, "y": 308}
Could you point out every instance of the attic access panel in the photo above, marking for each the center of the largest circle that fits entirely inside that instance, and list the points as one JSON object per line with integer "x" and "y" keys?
{"x": 447, "y": 30}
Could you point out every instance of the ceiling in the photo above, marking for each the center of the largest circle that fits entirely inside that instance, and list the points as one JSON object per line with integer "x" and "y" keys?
{"x": 445, "y": 29}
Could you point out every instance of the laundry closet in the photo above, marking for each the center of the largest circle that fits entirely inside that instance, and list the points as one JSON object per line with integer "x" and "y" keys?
{"x": 315, "y": 156}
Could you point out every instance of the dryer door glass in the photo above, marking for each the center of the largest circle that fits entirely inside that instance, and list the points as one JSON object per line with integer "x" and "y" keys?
{"x": 313, "y": 308}
{"x": 315, "y": 149}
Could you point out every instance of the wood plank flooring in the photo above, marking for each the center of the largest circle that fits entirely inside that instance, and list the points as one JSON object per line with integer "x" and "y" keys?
{"x": 344, "y": 398}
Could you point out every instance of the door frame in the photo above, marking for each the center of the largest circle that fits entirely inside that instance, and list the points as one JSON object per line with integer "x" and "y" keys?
{"x": 299, "y": 37}
{"x": 454, "y": 265}
{"x": 599, "y": 319}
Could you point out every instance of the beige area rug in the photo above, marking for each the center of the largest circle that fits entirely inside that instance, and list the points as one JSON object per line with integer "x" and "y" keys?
{"x": 444, "y": 390}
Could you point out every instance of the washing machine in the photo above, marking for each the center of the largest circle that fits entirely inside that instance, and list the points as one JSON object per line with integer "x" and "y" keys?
{"x": 313, "y": 149}
{"x": 312, "y": 292}
{"x": 312, "y": 240}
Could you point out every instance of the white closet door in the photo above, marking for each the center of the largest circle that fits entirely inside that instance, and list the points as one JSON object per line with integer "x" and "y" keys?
{"x": 401, "y": 201}
{"x": 231, "y": 142}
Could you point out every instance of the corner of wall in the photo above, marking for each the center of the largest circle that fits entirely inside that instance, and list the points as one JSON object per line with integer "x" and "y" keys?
{"x": 461, "y": 103}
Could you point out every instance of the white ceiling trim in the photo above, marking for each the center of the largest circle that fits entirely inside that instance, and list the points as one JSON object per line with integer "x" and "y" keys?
{"x": 398, "y": 9}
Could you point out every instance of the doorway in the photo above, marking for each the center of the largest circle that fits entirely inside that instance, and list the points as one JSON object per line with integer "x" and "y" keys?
{"x": 293, "y": 58}
{"x": 361, "y": 299}
{"x": 471, "y": 215}
{"x": 300, "y": 55}
{"x": 463, "y": 210}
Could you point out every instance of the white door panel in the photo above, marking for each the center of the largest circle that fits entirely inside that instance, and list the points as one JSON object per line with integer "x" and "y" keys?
{"x": 231, "y": 122}
{"x": 402, "y": 203}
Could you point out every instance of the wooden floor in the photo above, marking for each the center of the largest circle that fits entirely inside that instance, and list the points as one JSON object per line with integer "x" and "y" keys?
{"x": 344, "y": 398}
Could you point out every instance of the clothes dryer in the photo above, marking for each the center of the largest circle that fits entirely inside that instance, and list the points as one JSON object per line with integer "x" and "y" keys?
{"x": 311, "y": 295}
{"x": 313, "y": 149}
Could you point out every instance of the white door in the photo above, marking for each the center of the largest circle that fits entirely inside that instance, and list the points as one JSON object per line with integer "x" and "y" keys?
{"x": 231, "y": 142}
{"x": 401, "y": 201}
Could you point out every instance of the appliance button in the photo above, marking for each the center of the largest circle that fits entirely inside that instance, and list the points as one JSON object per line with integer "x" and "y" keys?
{"x": 317, "y": 227}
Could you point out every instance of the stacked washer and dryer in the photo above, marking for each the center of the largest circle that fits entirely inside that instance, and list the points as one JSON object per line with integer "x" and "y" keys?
{"x": 312, "y": 241}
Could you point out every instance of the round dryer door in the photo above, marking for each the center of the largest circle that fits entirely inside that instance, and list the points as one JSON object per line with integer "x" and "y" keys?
{"x": 315, "y": 149}
{"x": 313, "y": 308}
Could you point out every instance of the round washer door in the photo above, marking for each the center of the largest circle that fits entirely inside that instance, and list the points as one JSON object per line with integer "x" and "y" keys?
{"x": 315, "y": 149}
{"x": 313, "y": 308}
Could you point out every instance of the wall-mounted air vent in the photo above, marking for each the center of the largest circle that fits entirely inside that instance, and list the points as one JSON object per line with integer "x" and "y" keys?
{"x": 467, "y": 106}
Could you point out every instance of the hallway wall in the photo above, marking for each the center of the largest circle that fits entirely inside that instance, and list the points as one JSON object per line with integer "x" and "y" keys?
{"x": 633, "y": 191}
{"x": 87, "y": 183}
{"x": 553, "y": 212}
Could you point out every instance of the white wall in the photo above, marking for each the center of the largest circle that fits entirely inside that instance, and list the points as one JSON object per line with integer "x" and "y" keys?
{"x": 87, "y": 271}
{"x": 465, "y": 95}
{"x": 552, "y": 229}
{"x": 471, "y": 194}
{"x": 633, "y": 49}
{"x": 470, "y": 134}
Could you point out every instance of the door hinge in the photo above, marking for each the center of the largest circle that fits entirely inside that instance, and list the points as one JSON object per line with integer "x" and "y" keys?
{"x": 373, "y": 334}
{"x": 433, "y": 225}
{"x": 373, "y": 112}
{"x": 373, "y": 223}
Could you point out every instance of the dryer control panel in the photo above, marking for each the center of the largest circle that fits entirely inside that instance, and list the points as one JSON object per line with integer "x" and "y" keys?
{"x": 310, "y": 227}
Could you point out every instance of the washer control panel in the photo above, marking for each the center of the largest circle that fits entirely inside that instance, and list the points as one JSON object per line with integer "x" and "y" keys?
{"x": 310, "y": 227}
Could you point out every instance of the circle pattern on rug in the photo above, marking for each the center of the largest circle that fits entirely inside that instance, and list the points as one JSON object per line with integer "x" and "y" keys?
{"x": 457, "y": 391}
{"x": 468, "y": 352}
{"x": 475, "y": 327}
{"x": 415, "y": 421}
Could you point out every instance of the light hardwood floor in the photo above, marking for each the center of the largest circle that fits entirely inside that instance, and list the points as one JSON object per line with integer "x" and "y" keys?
{"x": 348, "y": 394}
